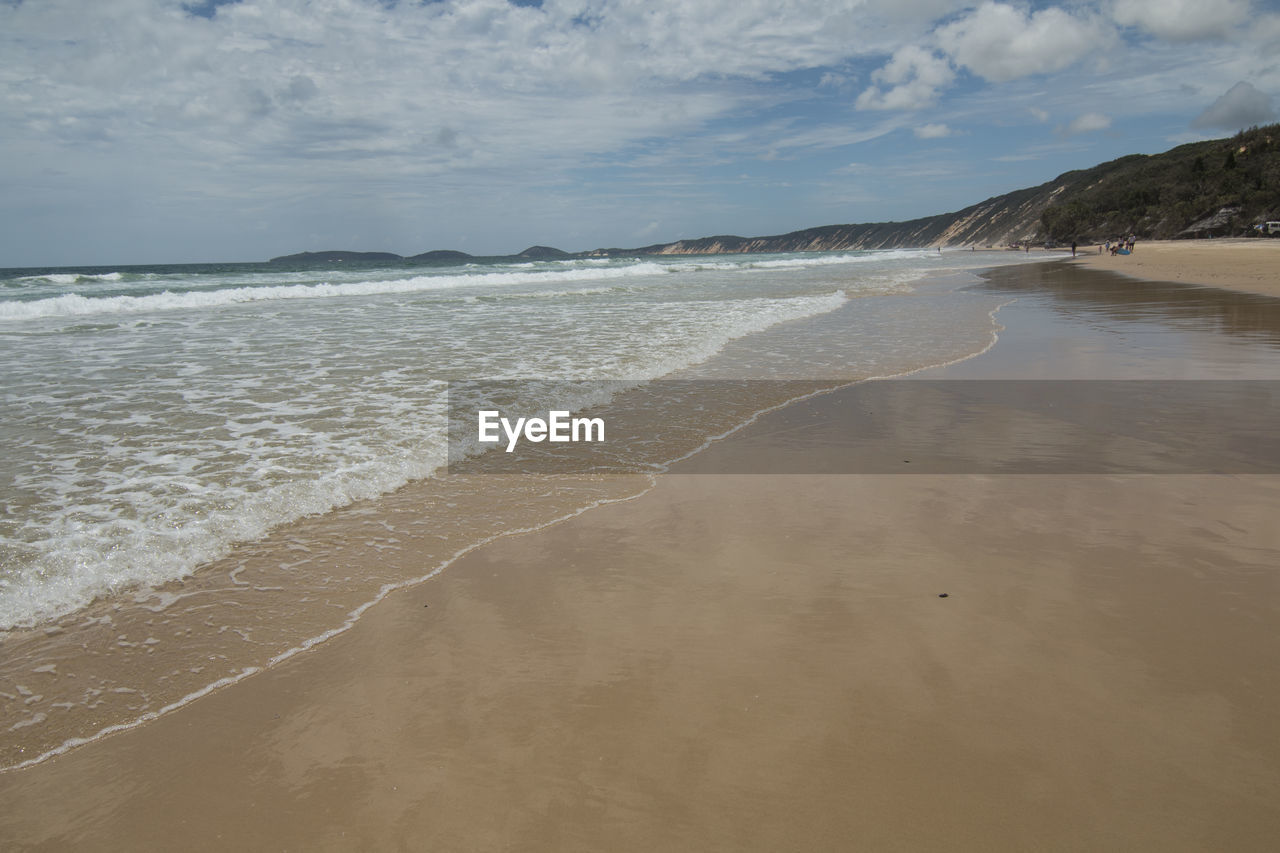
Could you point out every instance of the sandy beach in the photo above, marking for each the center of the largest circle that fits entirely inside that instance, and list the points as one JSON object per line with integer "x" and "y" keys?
{"x": 1252, "y": 265}
{"x": 766, "y": 662}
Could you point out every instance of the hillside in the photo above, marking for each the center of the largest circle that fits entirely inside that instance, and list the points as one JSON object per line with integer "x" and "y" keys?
{"x": 1219, "y": 187}
{"x": 335, "y": 257}
{"x": 441, "y": 256}
{"x": 544, "y": 253}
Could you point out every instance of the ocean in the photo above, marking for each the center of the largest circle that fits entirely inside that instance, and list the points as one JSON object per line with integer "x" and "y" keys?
{"x": 208, "y": 469}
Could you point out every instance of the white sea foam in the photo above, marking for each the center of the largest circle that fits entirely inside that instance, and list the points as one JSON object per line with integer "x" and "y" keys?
{"x": 802, "y": 261}
{"x": 177, "y": 439}
{"x": 73, "y": 278}
{"x": 135, "y": 491}
{"x": 196, "y": 295}
{"x": 75, "y": 305}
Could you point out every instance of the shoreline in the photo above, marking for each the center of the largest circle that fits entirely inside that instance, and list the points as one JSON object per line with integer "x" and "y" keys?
{"x": 706, "y": 665}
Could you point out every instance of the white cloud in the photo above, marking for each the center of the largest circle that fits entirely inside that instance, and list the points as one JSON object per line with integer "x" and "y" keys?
{"x": 910, "y": 80}
{"x": 1241, "y": 106}
{"x": 354, "y": 77}
{"x": 1182, "y": 20}
{"x": 995, "y": 41}
{"x": 1087, "y": 123}
{"x": 932, "y": 131}
{"x": 788, "y": 142}
{"x": 839, "y": 82}
{"x": 999, "y": 42}
{"x": 912, "y": 10}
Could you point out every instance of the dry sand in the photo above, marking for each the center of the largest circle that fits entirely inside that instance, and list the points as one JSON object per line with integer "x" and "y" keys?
{"x": 763, "y": 663}
{"x": 1251, "y": 266}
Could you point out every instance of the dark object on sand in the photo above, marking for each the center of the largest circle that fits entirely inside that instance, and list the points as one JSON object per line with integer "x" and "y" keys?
{"x": 942, "y": 595}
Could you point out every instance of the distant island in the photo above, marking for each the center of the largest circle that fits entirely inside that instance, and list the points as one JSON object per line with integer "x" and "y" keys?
{"x": 1216, "y": 188}
{"x": 544, "y": 253}
{"x": 336, "y": 256}
{"x": 441, "y": 255}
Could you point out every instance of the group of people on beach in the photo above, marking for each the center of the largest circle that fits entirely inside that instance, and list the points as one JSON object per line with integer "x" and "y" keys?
{"x": 1121, "y": 245}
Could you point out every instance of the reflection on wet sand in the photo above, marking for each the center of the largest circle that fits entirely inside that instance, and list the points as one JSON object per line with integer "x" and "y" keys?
{"x": 1114, "y": 296}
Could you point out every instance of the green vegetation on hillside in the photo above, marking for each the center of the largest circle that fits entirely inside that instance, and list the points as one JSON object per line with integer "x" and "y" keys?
{"x": 1218, "y": 188}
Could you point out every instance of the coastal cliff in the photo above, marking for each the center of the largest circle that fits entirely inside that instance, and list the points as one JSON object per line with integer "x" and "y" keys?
{"x": 1010, "y": 218}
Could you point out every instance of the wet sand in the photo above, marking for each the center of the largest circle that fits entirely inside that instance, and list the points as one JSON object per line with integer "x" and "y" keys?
{"x": 764, "y": 662}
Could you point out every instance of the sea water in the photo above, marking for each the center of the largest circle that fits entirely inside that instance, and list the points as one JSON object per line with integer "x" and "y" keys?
{"x": 208, "y": 468}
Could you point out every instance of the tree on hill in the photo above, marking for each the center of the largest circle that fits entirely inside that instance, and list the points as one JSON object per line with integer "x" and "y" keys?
{"x": 1164, "y": 195}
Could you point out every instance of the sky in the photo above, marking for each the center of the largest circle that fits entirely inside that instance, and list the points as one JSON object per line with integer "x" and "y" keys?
{"x": 162, "y": 131}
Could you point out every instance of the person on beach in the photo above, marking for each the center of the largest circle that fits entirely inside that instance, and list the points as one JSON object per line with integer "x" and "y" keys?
{"x": 1073, "y": 248}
